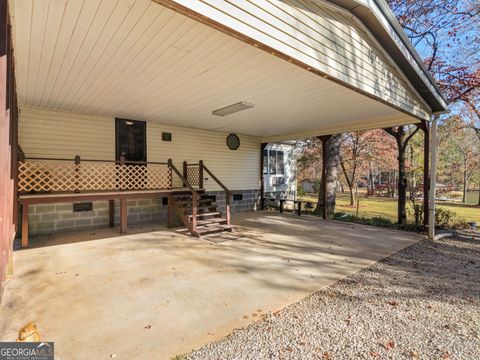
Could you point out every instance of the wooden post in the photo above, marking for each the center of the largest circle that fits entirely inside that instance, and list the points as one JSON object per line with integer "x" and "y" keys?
{"x": 262, "y": 185}
{"x": 194, "y": 212}
{"x": 299, "y": 208}
{"x": 123, "y": 173}
{"x": 111, "y": 205}
{"x": 426, "y": 171}
{"x": 185, "y": 172}
{"x": 25, "y": 225}
{"x": 171, "y": 212}
{"x": 123, "y": 216}
{"x": 281, "y": 205}
{"x": 169, "y": 162}
{"x": 77, "y": 173}
{"x": 227, "y": 206}
{"x": 200, "y": 174}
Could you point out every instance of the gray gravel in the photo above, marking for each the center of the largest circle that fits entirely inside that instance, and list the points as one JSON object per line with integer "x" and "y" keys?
{"x": 421, "y": 303}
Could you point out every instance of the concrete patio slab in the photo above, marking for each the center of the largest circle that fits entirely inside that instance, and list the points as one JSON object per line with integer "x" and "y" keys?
{"x": 156, "y": 294}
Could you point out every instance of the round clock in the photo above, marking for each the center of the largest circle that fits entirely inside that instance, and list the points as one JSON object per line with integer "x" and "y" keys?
{"x": 233, "y": 142}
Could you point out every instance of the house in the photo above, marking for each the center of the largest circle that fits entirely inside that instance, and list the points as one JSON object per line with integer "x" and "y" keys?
{"x": 279, "y": 171}
{"x": 140, "y": 110}
{"x": 307, "y": 185}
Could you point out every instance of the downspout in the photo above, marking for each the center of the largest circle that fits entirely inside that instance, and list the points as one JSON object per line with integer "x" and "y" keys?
{"x": 433, "y": 177}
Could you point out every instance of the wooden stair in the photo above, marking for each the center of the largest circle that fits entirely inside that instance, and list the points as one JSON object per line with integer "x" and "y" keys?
{"x": 208, "y": 218}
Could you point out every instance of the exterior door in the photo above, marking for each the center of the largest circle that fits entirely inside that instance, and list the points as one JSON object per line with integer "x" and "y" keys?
{"x": 130, "y": 140}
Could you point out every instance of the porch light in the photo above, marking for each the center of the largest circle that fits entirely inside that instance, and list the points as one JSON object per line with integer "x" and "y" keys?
{"x": 233, "y": 109}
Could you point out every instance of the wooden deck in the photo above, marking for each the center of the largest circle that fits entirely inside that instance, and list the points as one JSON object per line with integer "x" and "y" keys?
{"x": 69, "y": 197}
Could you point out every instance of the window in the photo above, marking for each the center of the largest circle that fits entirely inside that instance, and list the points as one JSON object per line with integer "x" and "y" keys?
{"x": 131, "y": 140}
{"x": 166, "y": 136}
{"x": 85, "y": 206}
{"x": 273, "y": 162}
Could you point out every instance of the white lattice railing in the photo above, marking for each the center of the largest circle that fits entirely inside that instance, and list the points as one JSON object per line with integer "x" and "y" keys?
{"x": 43, "y": 175}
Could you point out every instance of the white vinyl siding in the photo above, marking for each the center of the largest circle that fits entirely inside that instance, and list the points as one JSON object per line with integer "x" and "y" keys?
{"x": 329, "y": 40}
{"x": 53, "y": 134}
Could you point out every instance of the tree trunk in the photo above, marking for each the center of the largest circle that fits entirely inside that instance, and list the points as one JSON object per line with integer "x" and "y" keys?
{"x": 349, "y": 183}
{"x": 331, "y": 166}
{"x": 400, "y": 135}
{"x": 465, "y": 182}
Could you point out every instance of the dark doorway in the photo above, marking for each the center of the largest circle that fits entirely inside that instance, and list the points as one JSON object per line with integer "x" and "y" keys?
{"x": 130, "y": 140}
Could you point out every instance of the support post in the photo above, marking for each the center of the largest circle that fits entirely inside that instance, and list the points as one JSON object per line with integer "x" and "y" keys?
{"x": 228, "y": 195}
{"x": 185, "y": 172}
{"x": 262, "y": 179}
{"x": 170, "y": 170}
{"x": 281, "y": 205}
{"x": 200, "y": 174}
{"x": 299, "y": 208}
{"x": 194, "y": 211}
{"x": 426, "y": 171}
{"x": 123, "y": 216}
{"x": 123, "y": 172}
{"x": 433, "y": 177}
{"x": 171, "y": 211}
{"x": 25, "y": 225}
{"x": 77, "y": 173}
{"x": 111, "y": 208}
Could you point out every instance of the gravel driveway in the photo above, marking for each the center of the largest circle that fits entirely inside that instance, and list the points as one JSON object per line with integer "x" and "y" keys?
{"x": 421, "y": 303}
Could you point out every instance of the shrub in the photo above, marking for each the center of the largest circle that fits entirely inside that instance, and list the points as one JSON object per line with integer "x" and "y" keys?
{"x": 300, "y": 191}
{"x": 448, "y": 219}
{"x": 375, "y": 221}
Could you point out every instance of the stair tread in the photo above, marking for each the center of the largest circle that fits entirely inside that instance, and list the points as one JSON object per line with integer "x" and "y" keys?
{"x": 206, "y": 214}
{"x": 211, "y": 230}
{"x": 210, "y": 221}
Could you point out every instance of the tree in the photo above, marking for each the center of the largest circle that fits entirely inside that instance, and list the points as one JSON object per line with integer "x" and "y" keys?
{"x": 352, "y": 147}
{"x": 331, "y": 168}
{"x": 402, "y": 136}
{"x": 459, "y": 150}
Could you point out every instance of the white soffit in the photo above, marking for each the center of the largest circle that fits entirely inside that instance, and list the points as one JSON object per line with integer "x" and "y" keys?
{"x": 140, "y": 60}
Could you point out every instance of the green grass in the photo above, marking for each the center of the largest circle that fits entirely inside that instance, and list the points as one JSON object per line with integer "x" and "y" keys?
{"x": 387, "y": 208}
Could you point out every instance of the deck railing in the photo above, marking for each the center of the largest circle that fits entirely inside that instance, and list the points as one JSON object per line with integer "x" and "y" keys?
{"x": 66, "y": 175}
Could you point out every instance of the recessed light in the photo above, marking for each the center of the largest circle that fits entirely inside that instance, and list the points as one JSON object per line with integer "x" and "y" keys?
{"x": 230, "y": 109}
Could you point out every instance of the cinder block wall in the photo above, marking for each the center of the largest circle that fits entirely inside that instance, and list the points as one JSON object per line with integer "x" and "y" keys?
{"x": 50, "y": 218}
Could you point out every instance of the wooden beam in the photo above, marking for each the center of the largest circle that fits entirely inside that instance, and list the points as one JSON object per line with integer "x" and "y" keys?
{"x": 171, "y": 212}
{"x": 24, "y": 225}
{"x": 111, "y": 214}
{"x": 123, "y": 216}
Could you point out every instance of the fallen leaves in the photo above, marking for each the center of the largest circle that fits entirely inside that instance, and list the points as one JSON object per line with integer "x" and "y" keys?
{"x": 393, "y": 303}
{"x": 147, "y": 327}
{"x": 327, "y": 356}
{"x": 413, "y": 354}
{"x": 389, "y": 345}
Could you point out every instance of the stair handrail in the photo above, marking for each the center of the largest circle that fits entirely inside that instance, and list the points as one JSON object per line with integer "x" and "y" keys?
{"x": 228, "y": 193}
{"x": 195, "y": 195}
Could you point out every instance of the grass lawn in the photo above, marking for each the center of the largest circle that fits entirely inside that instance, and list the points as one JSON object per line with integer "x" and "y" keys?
{"x": 387, "y": 208}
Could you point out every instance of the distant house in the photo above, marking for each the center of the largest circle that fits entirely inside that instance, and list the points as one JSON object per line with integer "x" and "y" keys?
{"x": 307, "y": 185}
{"x": 279, "y": 171}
